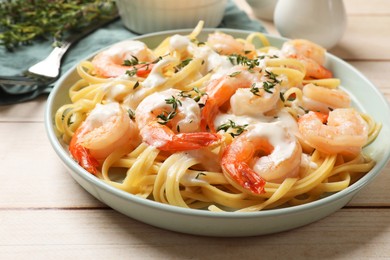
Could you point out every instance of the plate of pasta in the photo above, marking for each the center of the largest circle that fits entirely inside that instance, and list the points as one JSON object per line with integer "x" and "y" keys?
{"x": 219, "y": 132}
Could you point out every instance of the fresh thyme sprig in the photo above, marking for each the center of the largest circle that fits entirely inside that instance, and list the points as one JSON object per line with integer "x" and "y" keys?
{"x": 236, "y": 129}
{"x": 133, "y": 62}
{"x": 174, "y": 102}
{"x": 182, "y": 64}
{"x": 196, "y": 94}
{"x": 237, "y": 59}
{"x": 168, "y": 116}
{"x": 23, "y": 22}
{"x": 131, "y": 113}
{"x": 255, "y": 90}
{"x": 267, "y": 85}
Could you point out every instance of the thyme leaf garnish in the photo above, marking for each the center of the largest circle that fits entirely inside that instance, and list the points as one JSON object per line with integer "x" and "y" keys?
{"x": 131, "y": 113}
{"x": 196, "y": 94}
{"x": 168, "y": 116}
{"x": 132, "y": 62}
{"x": 200, "y": 174}
{"x": 182, "y": 64}
{"x": 235, "y": 74}
{"x": 236, "y": 129}
{"x": 237, "y": 59}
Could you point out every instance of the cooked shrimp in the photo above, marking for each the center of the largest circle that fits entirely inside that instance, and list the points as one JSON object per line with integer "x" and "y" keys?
{"x": 111, "y": 62}
{"x": 246, "y": 101}
{"x": 342, "y": 131}
{"x": 317, "y": 98}
{"x": 171, "y": 122}
{"x": 106, "y": 128}
{"x": 226, "y": 45}
{"x": 239, "y": 83}
{"x": 266, "y": 152}
{"x": 310, "y": 54}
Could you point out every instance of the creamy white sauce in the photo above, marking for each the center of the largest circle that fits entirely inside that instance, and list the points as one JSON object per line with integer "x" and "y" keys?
{"x": 156, "y": 77}
{"x": 219, "y": 64}
{"x": 307, "y": 162}
{"x": 127, "y": 49}
{"x": 114, "y": 90}
{"x": 288, "y": 121}
{"x": 179, "y": 43}
{"x": 101, "y": 114}
{"x": 277, "y": 135}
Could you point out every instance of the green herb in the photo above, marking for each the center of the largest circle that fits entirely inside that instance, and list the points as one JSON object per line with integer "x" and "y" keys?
{"x": 166, "y": 117}
{"x": 281, "y": 95}
{"x": 132, "y": 62}
{"x": 234, "y": 74}
{"x": 200, "y": 174}
{"x": 272, "y": 77}
{"x": 261, "y": 57}
{"x": 23, "y": 22}
{"x": 131, "y": 113}
{"x": 304, "y": 109}
{"x": 236, "y": 129}
{"x": 132, "y": 72}
{"x": 255, "y": 90}
{"x": 237, "y": 59}
{"x": 136, "y": 85}
{"x": 196, "y": 94}
{"x": 267, "y": 86}
{"x": 182, "y": 64}
{"x": 174, "y": 102}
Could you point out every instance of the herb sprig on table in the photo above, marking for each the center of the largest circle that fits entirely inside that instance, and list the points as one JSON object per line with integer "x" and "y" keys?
{"x": 24, "y": 21}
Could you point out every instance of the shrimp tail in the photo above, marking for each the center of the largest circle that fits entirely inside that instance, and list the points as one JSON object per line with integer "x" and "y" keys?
{"x": 166, "y": 140}
{"x": 322, "y": 73}
{"x": 82, "y": 155}
{"x": 243, "y": 175}
{"x": 209, "y": 112}
{"x": 143, "y": 70}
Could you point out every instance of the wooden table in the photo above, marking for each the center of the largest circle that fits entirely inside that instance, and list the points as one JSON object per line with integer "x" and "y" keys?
{"x": 44, "y": 213}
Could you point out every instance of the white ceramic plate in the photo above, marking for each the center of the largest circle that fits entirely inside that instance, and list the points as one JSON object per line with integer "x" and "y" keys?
{"x": 201, "y": 222}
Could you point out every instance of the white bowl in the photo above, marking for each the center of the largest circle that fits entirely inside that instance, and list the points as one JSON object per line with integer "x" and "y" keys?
{"x": 146, "y": 16}
{"x": 201, "y": 222}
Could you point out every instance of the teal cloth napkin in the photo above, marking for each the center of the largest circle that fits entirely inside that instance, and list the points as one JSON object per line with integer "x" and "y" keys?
{"x": 12, "y": 63}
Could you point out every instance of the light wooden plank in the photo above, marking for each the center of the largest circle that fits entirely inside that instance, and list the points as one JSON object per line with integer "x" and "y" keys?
{"x": 364, "y": 7}
{"x": 101, "y": 234}
{"x": 366, "y": 38}
{"x": 31, "y": 111}
{"x": 33, "y": 176}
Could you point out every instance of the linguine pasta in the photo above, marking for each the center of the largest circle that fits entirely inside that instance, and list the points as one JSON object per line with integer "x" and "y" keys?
{"x": 200, "y": 167}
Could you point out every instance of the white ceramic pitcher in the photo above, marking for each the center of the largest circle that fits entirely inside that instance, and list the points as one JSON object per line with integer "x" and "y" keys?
{"x": 321, "y": 21}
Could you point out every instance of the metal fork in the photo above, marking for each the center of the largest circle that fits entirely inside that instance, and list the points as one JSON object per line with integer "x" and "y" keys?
{"x": 47, "y": 71}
